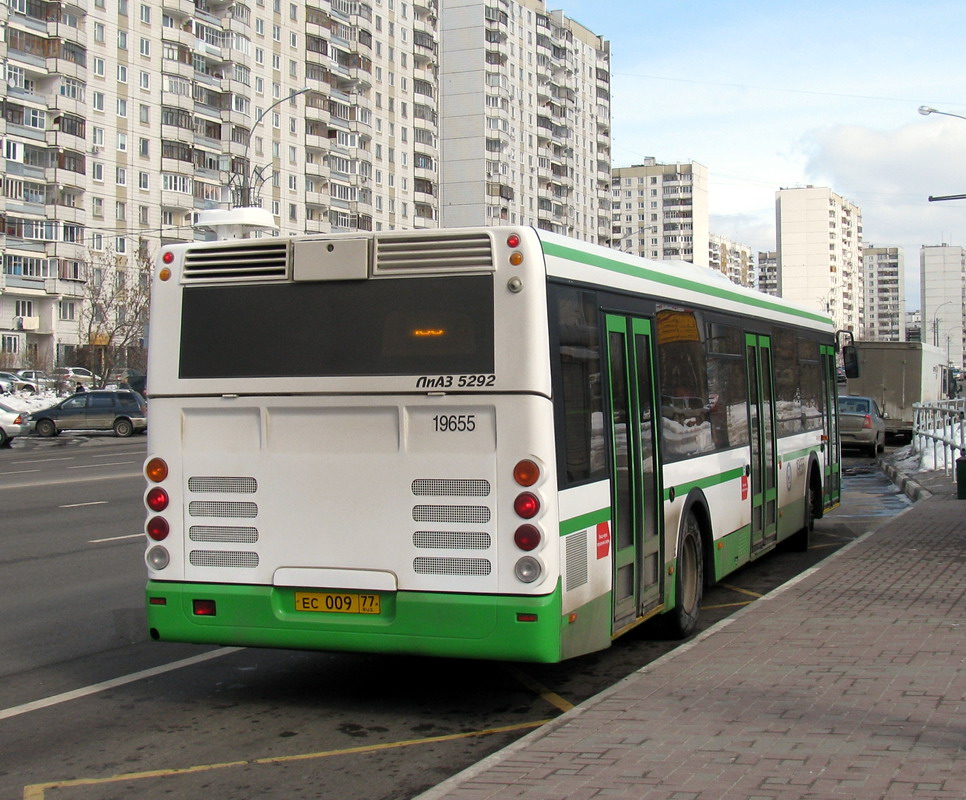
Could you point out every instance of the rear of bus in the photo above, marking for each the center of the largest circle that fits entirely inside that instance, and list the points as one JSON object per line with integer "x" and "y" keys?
{"x": 351, "y": 445}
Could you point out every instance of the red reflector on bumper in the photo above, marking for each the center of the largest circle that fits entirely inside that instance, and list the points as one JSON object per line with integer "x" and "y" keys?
{"x": 526, "y": 617}
{"x": 203, "y": 608}
{"x": 158, "y": 601}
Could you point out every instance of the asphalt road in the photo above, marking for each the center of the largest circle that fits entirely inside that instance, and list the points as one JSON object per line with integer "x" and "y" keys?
{"x": 91, "y": 709}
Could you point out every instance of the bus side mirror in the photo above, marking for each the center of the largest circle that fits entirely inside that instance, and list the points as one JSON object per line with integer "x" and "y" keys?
{"x": 850, "y": 360}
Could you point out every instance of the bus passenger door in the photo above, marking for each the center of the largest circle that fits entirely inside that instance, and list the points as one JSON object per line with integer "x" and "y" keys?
{"x": 761, "y": 428}
{"x": 637, "y": 555}
{"x": 831, "y": 479}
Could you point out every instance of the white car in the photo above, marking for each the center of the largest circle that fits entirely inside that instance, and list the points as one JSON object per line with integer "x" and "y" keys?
{"x": 8, "y": 382}
{"x": 70, "y": 377}
{"x": 33, "y": 380}
{"x": 11, "y": 422}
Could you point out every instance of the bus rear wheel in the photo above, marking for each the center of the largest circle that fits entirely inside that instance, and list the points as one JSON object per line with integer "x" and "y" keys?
{"x": 682, "y": 621}
{"x": 799, "y": 541}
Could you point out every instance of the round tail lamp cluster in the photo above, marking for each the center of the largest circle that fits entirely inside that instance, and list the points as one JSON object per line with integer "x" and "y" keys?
{"x": 528, "y": 536}
{"x": 157, "y": 500}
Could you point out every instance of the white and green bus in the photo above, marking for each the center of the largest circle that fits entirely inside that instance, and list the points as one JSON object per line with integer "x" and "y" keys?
{"x": 482, "y": 442}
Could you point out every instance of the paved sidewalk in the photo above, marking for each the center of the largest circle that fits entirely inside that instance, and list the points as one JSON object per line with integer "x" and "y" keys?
{"x": 847, "y": 682}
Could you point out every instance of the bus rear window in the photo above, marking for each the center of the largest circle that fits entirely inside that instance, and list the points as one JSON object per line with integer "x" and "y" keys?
{"x": 402, "y": 326}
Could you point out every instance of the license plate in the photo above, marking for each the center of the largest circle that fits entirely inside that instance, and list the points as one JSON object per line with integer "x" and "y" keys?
{"x": 337, "y": 602}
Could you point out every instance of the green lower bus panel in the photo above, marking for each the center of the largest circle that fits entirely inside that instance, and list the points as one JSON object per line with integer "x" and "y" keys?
{"x": 415, "y": 623}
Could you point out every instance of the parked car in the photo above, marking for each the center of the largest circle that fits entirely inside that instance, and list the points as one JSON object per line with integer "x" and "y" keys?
{"x": 128, "y": 379}
{"x": 70, "y": 377}
{"x": 34, "y": 380}
{"x": 861, "y": 424}
{"x": 11, "y": 424}
{"x": 8, "y": 382}
{"x": 123, "y": 411}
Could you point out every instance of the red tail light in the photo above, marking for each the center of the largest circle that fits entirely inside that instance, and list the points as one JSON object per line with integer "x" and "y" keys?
{"x": 157, "y": 499}
{"x": 527, "y": 537}
{"x": 18, "y": 420}
{"x": 526, "y": 505}
{"x": 157, "y": 528}
{"x": 868, "y": 421}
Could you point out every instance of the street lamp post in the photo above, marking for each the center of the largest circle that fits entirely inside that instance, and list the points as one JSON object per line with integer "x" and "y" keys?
{"x": 250, "y": 174}
{"x": 935, "y": 322}
{"x": 926, "y": 111}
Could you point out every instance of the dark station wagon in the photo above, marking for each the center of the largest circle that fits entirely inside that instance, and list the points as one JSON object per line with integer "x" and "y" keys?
{"x": 124, "y": 412}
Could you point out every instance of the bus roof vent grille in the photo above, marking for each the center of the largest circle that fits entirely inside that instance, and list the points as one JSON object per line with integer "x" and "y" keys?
{"x": 439, "y": 252}
{"x": 238, "y": 260}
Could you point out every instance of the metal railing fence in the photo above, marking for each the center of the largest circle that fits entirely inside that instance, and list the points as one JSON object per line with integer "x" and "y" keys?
{"x": 940, "y": 426}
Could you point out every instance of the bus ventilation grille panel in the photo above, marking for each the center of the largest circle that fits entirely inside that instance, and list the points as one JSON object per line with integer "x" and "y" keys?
{"x": 238, "y": 261}
{"x": 435, "y": 252}
{"x": 452, "y": 543}
{"x": 220, "y": 526}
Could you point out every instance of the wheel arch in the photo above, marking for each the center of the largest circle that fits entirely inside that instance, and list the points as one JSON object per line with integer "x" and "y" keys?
{"x": 696, "y": 503}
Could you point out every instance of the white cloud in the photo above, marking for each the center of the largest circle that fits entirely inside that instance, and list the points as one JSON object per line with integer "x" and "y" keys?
{"x": 890, "y": 176}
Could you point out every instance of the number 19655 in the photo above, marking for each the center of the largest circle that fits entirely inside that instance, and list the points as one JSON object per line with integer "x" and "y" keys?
{"x": 454, "y": 423}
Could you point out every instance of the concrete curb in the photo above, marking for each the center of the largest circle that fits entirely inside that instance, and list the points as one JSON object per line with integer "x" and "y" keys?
{"x": 911, "y": 488}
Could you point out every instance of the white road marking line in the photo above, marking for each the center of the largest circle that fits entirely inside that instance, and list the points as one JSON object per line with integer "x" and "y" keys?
{"x": 109, "y": 464}
{"x": 95, "y": 688}
{"x": 91, "y": 503}
{"x": 116, "y": 538}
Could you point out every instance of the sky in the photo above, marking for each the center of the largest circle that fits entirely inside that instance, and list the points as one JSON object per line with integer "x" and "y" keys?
{"x": 771, "y": 95}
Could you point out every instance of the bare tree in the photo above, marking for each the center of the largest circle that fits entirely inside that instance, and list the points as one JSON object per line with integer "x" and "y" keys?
{"x": 114, "y": 312}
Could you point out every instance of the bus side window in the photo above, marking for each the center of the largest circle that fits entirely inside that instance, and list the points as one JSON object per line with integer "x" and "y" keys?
{"x": 583, "y": 414}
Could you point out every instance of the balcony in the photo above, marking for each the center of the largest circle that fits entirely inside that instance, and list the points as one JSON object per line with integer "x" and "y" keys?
{"x": 178, "y": 9}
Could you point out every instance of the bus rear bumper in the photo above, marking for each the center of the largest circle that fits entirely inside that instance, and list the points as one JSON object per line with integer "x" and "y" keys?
{"x": 514, "y": 628}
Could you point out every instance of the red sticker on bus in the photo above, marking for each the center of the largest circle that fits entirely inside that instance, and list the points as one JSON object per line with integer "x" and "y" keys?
{"x": 744, "y": 487}
{"x": 603, "y": 540}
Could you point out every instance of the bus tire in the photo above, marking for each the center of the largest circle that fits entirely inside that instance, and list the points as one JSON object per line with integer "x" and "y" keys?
{"x": 682, "y": 621}
{"x": 799, "y": 541}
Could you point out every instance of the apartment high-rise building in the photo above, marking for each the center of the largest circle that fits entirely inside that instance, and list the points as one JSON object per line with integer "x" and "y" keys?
{"x": 768, "y": 272}
{"x": 883, "y": 294}
{"x": 732, "y": 259}
{"x": 942, "y": 284}
{"x": 660, "y": 211}
{"x": 914, "y": 326}
{"x": 524, "y": 119}
{"x": 124, "y": 119}
{"x": 819, "y": 245}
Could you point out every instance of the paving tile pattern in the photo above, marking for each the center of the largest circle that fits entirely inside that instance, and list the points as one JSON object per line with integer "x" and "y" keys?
{"x": 847, "y": 683}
